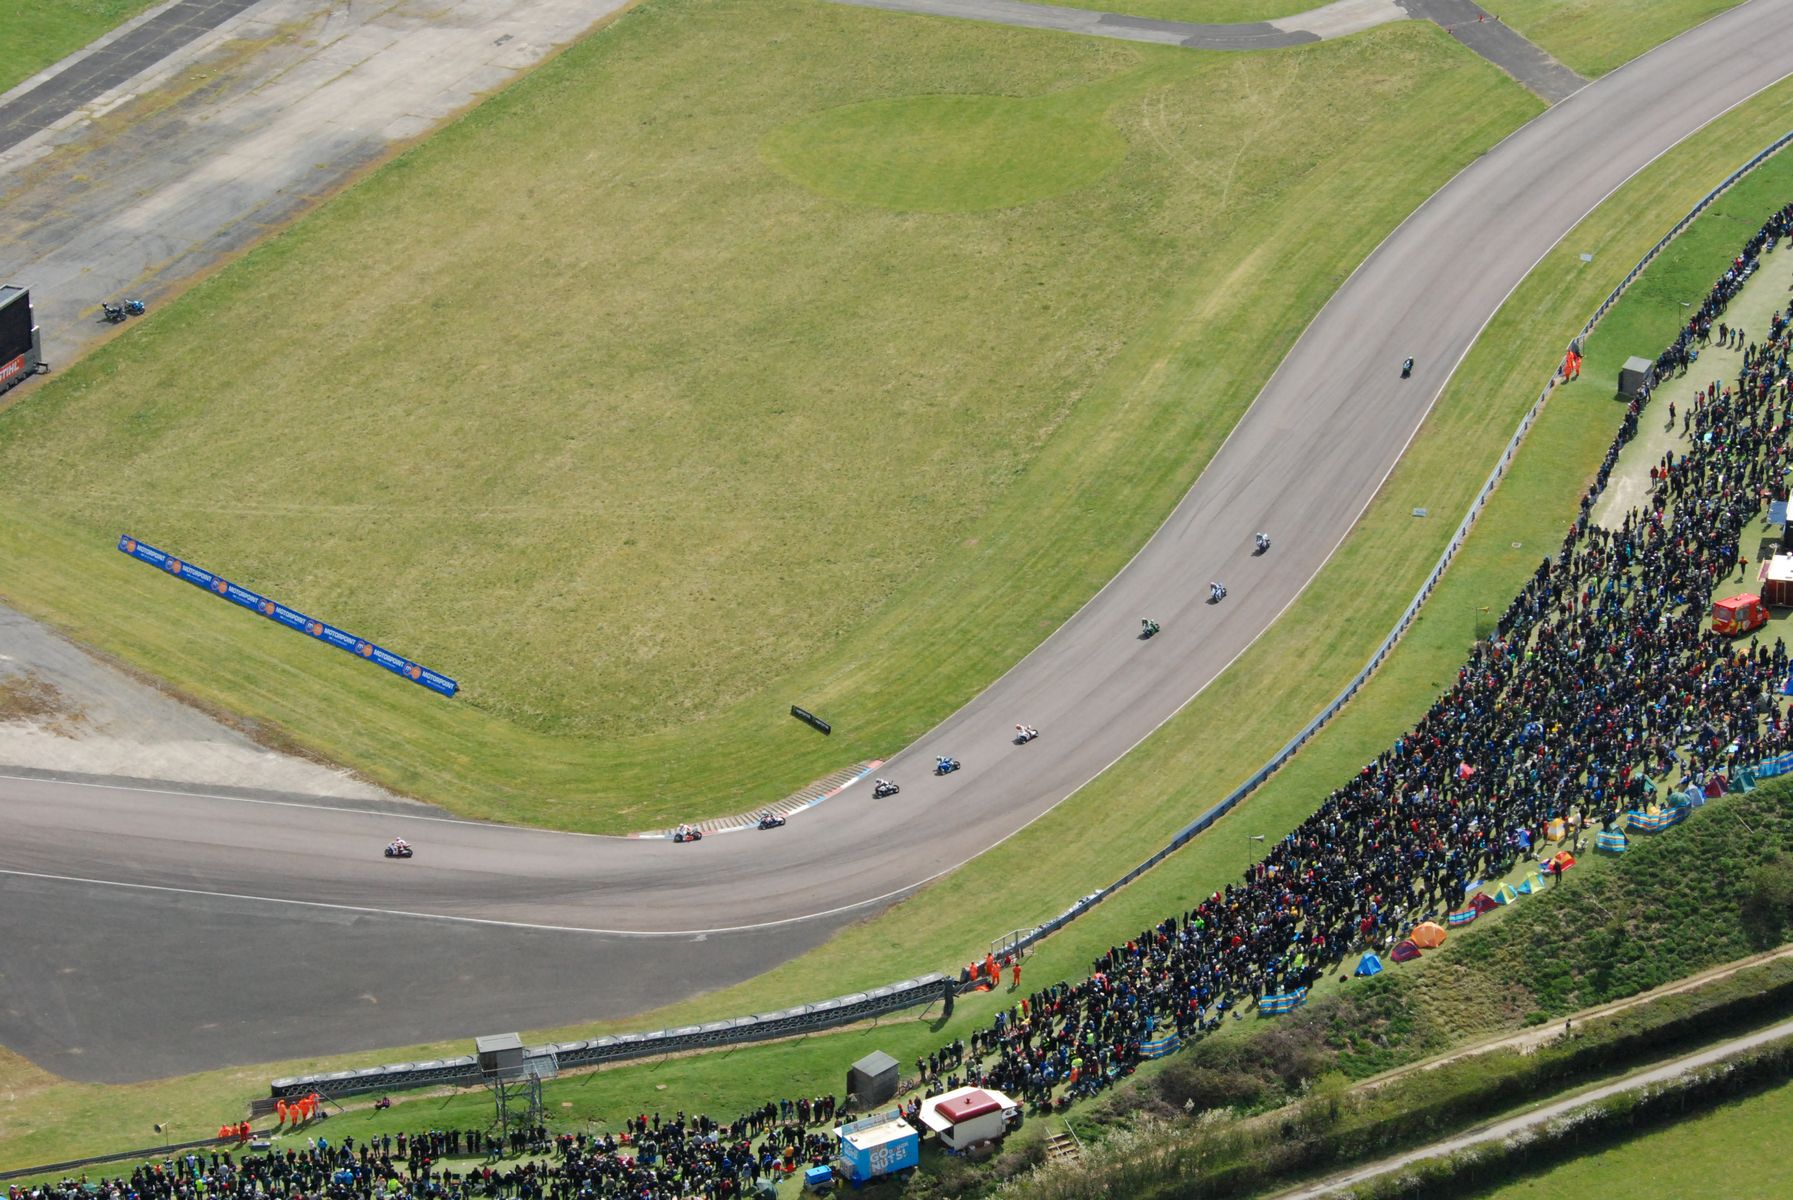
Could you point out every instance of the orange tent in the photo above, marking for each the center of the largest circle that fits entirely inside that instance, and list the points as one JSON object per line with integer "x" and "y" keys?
{"x": 1564, "y": 859}
{"x": 1428, "y": 935}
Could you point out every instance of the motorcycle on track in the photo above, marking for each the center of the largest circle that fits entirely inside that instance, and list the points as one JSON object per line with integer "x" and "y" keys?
{"x": 945, "y": 766}
{"x": 398, "y": 848}
{"x": 882, "y": 788}
{"x": 768, "y": 821}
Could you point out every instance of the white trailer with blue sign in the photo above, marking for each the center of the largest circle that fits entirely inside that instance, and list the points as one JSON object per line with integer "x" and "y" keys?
{"x": 878, "y": 1146}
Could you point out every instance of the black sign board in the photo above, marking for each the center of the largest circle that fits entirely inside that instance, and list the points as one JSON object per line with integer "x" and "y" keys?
{"x": 809, "y": 718}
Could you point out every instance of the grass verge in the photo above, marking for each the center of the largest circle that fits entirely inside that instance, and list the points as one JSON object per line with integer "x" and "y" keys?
{"x": 767, "y": 445}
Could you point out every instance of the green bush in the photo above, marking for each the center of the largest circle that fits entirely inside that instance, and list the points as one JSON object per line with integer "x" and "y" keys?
{"x": 1768, "y": 901}
{"x": 1191, "y": 1086}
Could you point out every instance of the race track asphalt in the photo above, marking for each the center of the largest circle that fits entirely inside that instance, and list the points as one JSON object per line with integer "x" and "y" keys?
{"x": 152, "y": 932}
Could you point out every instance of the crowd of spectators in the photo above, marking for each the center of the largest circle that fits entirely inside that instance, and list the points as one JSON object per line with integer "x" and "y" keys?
{"x": 1598, "y": 680}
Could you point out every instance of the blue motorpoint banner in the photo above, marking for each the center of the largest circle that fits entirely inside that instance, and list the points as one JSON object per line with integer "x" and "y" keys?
{"x": 291, "y": 618}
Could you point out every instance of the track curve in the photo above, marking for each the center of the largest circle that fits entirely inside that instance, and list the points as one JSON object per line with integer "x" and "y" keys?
{"x": 1303, "y": 463}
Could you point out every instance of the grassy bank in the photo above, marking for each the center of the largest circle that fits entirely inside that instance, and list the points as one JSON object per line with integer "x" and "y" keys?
{"x": 1594, "y": 36}
{"x": 749, "y": 396}
{"x": 39, "y": 34}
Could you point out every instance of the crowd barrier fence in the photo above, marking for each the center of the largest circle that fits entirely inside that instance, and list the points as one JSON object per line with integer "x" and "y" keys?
{"x": 622, "y": 1047}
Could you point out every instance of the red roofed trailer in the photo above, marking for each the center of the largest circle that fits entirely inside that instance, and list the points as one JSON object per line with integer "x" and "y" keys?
{"x": 965, "y": 1116}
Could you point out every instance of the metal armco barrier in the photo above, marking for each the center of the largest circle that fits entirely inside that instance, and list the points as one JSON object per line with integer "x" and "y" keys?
{"x": 1182, "y": 836}
{"x": 805, "y": 1018}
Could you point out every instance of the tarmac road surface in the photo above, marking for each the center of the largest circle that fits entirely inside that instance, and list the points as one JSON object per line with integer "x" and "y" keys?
{"x": 143, "y": 877}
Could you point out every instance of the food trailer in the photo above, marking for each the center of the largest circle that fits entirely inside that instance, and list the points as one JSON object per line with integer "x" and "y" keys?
{"x": 878, "y": 1146}
{"x": 1739, "y": 614}
{"x": 968, "y": 1115}
{"x": 1777, "y": 581}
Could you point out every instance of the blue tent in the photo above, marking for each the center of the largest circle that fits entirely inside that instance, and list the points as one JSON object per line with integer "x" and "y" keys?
{"x": 1611, "y": 841}
{"x": 1369, "y": 965}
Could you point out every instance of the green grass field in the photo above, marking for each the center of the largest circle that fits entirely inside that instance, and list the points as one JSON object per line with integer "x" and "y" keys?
{"x": 42, "y": 32}
{"x": 1196, "y": 757}
{"x": 1727, "y": 1152}
{"x": 668, "y": 437}
{"x": 1594, "y": 36}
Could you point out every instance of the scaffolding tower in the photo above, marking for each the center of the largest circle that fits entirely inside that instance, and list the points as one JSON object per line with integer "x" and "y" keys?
{"x": 514, "y": 1077}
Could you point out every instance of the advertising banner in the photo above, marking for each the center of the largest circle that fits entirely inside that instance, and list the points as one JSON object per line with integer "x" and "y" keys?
{"x": 291, "y": 618}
